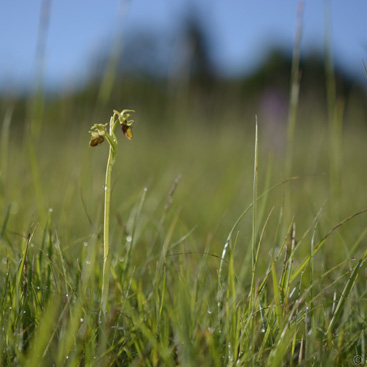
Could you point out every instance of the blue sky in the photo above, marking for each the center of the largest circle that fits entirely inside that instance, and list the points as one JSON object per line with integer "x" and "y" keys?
{"x": 241, "y": 32}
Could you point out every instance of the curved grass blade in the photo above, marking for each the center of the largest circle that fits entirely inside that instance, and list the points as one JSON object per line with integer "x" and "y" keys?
{"x": 318, "y": 246}
{"x": 347, "y": 289}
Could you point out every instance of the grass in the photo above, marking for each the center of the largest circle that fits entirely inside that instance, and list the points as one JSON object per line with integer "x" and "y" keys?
{"x": 228, "y": 245}
{"x": 282, "y": 294}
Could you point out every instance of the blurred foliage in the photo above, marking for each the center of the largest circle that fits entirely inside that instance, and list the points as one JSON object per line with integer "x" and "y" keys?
{"x": 176, "y": 74}
{"x": 211, "y": 99}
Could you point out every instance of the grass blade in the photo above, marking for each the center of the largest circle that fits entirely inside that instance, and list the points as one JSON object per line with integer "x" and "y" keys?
{"x": 347, "y": 289}
{"x": 318, "y": 246}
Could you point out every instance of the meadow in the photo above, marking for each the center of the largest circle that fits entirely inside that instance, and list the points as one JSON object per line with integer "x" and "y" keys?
{"x": 233, "y": 243}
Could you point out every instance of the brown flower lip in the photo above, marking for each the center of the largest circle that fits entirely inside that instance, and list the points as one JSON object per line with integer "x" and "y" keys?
{"x": 98, "y": 140}
{"x": 127, "y": 130}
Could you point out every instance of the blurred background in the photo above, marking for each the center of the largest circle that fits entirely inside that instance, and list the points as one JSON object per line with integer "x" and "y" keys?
{"x": 196, "y": 72}
{"x": 168, "y": 40}
{"x": 65, "y": 46}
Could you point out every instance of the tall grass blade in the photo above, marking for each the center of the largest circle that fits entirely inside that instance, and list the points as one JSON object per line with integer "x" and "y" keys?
{"x": 294, "y": 90}
{"x": 322, "y": 241}
{"x": 4, "y": 153}
{"x": 278, "y": 308}
{"x": 5, "y": 222}
{"x": 364, "y": 67}
{"x": 347, "y": 289}
{"x": 40, "y": 341}
{"x": 254, "y": 218}
{"x": 335, "y": 114}
{"x": 112, "y": 66}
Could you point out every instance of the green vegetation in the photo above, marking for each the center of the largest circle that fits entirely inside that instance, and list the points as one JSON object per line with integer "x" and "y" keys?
{"x": 226, "y": 249}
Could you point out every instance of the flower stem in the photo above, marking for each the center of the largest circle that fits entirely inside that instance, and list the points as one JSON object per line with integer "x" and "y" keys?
{"x": 99, "y": 134}
{"x": 106, "y": 232}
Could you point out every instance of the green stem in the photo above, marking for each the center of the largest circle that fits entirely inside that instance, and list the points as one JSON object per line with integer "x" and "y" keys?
{"x": 254, "y": 222}
{"x": 106, "y": 226}
{"x": 98, "y": 135}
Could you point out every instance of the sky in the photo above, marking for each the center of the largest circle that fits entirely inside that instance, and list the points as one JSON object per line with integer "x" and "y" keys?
{"x": 240, "y": 32}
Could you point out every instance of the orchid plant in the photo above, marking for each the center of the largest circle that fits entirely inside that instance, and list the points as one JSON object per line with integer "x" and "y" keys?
{"x": 100, "y": 133}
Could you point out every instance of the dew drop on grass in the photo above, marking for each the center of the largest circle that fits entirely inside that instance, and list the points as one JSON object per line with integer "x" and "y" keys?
{"x": 85, "y": 244}
{"x": 353, "y": 258}
{"x": 122, "y": 259}
{"x": 104, "y": 187}
{"x": 81, "y": 319}
{"x": 209, "y": 312}
{"x": 87, "y": 262}
{"x": 263, "y": 330}
{"x": 50, "y": 210}
{"x": 129, "y": 239}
